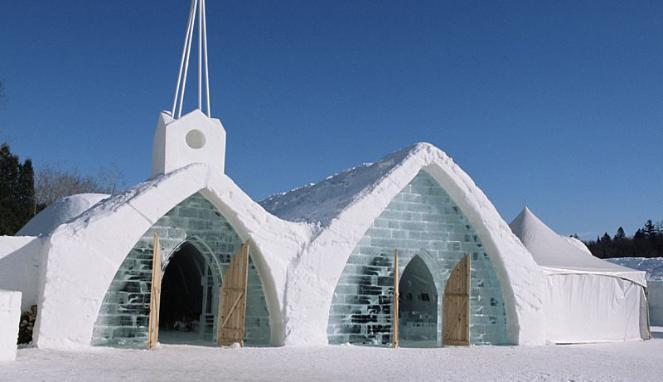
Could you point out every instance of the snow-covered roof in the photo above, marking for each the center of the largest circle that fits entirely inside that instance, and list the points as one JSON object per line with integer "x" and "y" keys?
{"x": 61, "y": 211}
{"x": 562, "y": 254}
{"x": 652, "y": 265}
{"x": 319, "y": 203}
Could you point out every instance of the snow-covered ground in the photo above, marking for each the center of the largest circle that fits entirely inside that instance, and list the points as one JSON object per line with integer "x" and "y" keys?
{"x": 631, "y": 361}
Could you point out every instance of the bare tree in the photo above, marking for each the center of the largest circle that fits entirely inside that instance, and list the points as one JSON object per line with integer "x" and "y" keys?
{"x": 52, "y": 183}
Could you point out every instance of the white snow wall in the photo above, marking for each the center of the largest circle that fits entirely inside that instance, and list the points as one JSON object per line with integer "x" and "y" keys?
{"x": 10, "y": 314}
{"x": 20, "y": 266}
{"x": 423, "y": 221}
{"x": 124, "y": 314}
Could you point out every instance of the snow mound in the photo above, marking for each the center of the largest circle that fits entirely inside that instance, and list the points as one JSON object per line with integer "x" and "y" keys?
{"x": 564, "y": 254}
{"x": 320, "y": 203}
{"x": 653, "y": 266}
{"x": 60, "y": 212}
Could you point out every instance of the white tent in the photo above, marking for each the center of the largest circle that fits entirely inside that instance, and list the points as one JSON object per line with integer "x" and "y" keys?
{"x": 586, "y": 299}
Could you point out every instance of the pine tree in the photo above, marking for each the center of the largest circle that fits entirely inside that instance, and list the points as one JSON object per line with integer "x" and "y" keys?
{"x": 17, "y": 195}
{"x": 606, "y": 238}
{"x": 620, "y": 235}
{"x": 26, "y": 191}
{"x": 9, "y": 171}
{"x": 649, "y": 229}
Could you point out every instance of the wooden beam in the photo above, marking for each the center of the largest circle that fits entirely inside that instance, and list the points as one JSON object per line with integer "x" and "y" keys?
{"x": 155, "y": 294}
{"x": 394, "y": 321}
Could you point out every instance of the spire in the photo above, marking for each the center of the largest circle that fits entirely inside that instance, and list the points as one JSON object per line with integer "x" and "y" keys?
{"x": 196, "y": 13}
{"x": 194, "y": 137}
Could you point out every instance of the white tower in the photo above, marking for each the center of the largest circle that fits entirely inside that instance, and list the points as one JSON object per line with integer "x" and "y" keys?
{"x": 195, "y": 137}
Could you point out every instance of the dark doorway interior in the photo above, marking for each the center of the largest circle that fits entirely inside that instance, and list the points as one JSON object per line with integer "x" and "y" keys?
{"x": 182, "y": 297}
{"x": 418, "y": 307}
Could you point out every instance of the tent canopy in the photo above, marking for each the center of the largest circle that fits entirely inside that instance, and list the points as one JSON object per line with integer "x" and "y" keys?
{"x": 559, "y": 254}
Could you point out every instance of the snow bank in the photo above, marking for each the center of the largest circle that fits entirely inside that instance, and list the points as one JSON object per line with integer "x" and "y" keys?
{"x": 20, "y": 264}
{"x": 60, "y": 212}
{"x": 344, "y": 207}
{"x": 652, "y": 265}
{"x": 10, "y": 314}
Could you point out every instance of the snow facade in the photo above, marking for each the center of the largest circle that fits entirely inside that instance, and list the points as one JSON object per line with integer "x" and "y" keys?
{"x": 321, "y": 256}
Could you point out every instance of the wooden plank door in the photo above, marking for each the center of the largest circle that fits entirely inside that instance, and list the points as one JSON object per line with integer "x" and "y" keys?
{"x": 232, "y": 309}
{"x": 155, "y": 295}
{"x": 456, "y": 306}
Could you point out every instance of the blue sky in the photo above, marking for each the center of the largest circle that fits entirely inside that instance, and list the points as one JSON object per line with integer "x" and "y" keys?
{"x": 555, "y": 104}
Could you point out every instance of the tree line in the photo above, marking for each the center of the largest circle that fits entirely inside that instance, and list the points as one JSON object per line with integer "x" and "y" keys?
{"x": 646, "y": 242}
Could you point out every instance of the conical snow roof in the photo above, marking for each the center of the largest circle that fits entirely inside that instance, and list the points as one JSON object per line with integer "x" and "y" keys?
{"x": 562, "y": 254}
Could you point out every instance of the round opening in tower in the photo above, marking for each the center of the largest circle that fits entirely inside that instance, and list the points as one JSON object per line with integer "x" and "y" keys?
{"x": 195, "y": 139}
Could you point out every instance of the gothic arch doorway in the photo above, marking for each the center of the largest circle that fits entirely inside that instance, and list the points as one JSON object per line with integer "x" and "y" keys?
{"x": 417, "y": 308}
{"x": 187, "y": 298}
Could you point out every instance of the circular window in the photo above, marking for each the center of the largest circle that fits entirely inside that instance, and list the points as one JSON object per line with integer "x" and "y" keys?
{"x": 195, "y": 139}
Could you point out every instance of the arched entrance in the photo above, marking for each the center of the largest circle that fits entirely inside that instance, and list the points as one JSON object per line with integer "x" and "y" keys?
{"x": 417, "y": 312}
{"x": 187, "y": 296}
{"x": 196, "y": 230}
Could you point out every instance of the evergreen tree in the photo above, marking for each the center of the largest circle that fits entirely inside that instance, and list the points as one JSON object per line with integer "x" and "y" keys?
{"x": 16, "y": 192}
{"x": 620, "y": 235}
{"x": 606, "y": 238}
{"x": 26, "y": 191}
{"x": 9, "y": 170}
{"x": 649, "y": 229}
